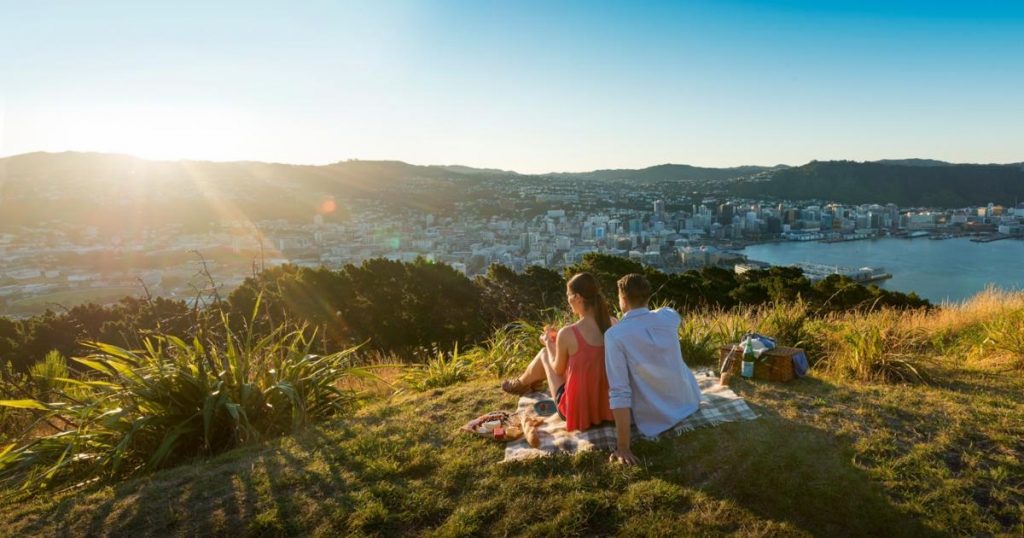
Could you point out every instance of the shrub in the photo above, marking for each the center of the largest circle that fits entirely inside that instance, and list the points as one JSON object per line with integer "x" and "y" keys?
{"x": 176, "y": 400}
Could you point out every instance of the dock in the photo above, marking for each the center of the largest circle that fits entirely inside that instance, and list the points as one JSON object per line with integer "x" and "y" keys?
{"x": 990, "y": 238}
{"x": 816, "y": 272}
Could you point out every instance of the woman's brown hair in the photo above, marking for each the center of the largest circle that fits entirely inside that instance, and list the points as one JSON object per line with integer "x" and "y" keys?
{"x": 585, "y": 285}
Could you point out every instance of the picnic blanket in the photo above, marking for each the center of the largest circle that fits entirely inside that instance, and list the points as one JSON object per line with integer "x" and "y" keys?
{"x": 718, "y": 404}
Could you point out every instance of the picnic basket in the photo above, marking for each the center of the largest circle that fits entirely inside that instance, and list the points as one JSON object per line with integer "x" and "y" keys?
{"x": 773, "y": 365}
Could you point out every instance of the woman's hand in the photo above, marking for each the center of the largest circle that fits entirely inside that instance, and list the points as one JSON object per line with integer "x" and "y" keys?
{"x": 549, "y": 337}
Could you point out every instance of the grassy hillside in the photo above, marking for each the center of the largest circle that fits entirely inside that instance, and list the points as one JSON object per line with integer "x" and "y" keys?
{"x": 861, "y": 447}
{"x": 825, "y": 459}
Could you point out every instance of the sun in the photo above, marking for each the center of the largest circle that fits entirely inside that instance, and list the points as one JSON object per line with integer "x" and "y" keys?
{"x": 154, "y": 132}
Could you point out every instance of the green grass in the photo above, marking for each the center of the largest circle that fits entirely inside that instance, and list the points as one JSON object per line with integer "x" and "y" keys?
{"x": 826, "y": 458}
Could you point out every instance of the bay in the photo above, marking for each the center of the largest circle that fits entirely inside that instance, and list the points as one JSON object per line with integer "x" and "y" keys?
{"x": 938, "y": 270}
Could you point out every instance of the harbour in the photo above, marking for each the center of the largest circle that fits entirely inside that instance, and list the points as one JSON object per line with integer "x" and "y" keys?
{"x": 952, "y": 269}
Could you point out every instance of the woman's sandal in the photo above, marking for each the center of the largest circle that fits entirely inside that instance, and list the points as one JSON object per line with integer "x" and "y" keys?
{"x": 517, "y": 387}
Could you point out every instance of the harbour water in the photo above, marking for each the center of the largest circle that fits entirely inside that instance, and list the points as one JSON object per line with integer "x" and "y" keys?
{"x": 946, "y": 270}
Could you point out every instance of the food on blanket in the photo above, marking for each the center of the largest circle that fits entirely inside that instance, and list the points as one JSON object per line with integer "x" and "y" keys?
{"x": 514, "y": 431}
{"x": 531, "y": 428}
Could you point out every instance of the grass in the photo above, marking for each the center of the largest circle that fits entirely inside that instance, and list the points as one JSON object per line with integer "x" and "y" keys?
{"x": 826, "y": 458}
{"x": 838, "y": 453}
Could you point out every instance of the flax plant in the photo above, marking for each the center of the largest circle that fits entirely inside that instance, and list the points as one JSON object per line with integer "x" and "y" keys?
{"x": 173, "y": 401}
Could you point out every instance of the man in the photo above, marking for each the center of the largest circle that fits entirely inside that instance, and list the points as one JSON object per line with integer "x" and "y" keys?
{"x": 649, "y": 383}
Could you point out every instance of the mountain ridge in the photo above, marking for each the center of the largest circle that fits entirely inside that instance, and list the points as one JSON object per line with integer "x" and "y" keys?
{"x": 86, "y": 187}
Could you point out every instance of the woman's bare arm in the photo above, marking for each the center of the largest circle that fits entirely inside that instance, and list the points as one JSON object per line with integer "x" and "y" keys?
{"x": 564, "y": 341}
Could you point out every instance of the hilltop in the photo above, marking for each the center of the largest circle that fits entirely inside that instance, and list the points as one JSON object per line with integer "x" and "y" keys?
{"x": 908, "y": 425}
{"x": 826, "y": 458}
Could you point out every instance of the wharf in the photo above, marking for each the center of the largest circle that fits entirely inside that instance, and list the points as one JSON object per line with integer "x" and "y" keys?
{"x": 990, "y": 238}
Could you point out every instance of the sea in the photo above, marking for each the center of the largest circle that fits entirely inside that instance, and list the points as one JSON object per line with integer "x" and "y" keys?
{"x": 949, "y": 270}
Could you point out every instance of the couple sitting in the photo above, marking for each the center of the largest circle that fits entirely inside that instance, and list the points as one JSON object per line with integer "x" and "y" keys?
{"x": 600, "y": 369}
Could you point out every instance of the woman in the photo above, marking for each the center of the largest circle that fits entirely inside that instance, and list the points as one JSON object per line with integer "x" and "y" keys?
{"x": 572, "y": 361}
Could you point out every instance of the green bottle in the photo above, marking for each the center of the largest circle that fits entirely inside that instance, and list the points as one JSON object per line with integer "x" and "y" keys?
{"x": 748, "y": 359}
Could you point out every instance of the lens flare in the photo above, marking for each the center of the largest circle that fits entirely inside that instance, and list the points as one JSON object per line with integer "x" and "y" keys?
{"x": 328, "y": 206}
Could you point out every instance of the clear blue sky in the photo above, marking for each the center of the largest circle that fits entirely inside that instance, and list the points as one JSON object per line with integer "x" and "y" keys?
{"x": 530, "y": 86}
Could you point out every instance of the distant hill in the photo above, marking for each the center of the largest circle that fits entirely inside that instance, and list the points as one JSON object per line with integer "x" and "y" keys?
{"x": 951, "y": 185}
{"x": 668, "y": 172}
{"x": 914, "y": 162}
{"x": 106, "y": 190}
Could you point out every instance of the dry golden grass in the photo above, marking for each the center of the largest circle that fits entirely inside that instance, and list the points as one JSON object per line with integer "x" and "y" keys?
{"x": 984, "y": 333}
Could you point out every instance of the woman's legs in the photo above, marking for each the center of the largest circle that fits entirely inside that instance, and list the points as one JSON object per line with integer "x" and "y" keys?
{"x": 540, "y": 368}
{"x": 535, "y": 371}
{"x": 554, "y": 380}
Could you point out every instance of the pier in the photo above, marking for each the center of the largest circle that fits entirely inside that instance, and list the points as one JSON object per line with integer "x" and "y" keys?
{"x": 990, "y": 238}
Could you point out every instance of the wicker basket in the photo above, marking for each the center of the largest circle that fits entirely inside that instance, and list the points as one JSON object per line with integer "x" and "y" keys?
{"x": 773, "y": 365}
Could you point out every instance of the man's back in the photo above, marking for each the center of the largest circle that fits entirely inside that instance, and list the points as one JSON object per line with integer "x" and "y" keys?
{"x": 646, "y": 371}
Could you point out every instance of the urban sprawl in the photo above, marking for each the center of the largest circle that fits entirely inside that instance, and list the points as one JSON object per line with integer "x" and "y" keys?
{"x": 548, "y": 224}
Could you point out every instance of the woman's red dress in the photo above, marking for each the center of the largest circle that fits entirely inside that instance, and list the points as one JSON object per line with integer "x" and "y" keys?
{"x": 585, "y": 400}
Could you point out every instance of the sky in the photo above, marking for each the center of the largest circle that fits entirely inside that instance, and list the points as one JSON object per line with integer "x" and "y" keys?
{"x": 527, "y": 86}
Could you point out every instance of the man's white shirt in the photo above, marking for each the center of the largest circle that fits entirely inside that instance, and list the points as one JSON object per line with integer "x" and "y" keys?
{"x": 646, "y": 372}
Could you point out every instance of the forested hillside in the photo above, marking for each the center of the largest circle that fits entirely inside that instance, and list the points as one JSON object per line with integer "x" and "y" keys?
{"x": 958, "y": 185}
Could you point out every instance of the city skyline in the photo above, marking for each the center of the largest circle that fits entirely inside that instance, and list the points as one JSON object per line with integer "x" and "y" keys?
{"x": 531, "y": 87}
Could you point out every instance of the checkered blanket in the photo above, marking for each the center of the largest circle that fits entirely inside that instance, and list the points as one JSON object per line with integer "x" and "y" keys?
{"x": 718, "y": 404}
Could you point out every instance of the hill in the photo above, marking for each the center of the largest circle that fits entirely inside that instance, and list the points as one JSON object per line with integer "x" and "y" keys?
{"x": 81, "y": 190}
{"x": 667, "y": 172}
{"x": 853, "y": 449}
{"x": 104, "y": 190}
{"x": 955, "y": 185}
{"x": 914, "y": 162}
{"x": 824, "y": 459}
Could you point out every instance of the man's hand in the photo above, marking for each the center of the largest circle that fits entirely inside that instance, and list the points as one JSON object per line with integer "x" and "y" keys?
{"x": 622, "y": 453}
{"x": 624, "y": 457}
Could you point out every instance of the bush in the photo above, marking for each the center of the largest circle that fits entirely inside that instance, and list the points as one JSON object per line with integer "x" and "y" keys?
{"x": 173, "y": 401}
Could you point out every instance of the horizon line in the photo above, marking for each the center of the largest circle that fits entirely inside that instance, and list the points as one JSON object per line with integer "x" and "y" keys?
{"x": 484, "y": 167}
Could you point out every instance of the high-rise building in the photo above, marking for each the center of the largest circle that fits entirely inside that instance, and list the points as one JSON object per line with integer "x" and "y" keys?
{"x": 659, "y": 209}
{"x": 725, "y": 213}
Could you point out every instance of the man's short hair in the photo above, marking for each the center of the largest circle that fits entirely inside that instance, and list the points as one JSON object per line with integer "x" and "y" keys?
{"x": 635, "y": 288}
